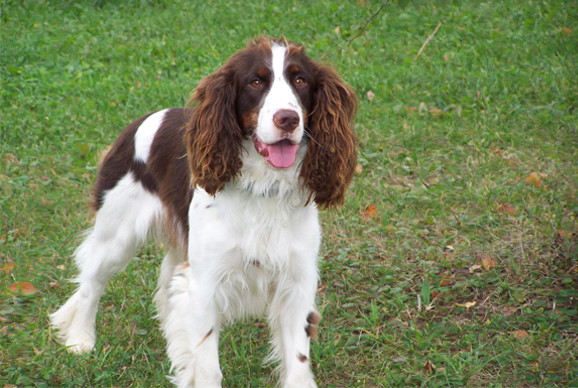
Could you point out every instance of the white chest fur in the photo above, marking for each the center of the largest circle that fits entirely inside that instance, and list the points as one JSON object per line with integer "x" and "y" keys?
{"x": 250, "y": 246}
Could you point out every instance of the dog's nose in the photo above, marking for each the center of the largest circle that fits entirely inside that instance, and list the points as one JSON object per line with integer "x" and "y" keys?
{"x": 286, "y": 120}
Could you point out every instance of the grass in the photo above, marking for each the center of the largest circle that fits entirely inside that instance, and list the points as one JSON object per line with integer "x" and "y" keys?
{"x": 466, "y": 276}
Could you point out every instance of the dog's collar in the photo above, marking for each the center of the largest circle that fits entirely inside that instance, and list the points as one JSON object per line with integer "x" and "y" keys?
{"x": 269, "y": 192}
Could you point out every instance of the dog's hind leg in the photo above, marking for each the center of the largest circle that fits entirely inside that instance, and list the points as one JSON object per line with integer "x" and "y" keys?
{"x": 123, "y": 222}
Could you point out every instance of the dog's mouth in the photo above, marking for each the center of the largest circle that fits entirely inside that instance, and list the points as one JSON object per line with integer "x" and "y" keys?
{"x": 280, "y": 154}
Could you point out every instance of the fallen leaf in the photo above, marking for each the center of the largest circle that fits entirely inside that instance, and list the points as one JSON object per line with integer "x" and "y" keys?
{"x": 4, "y": 330}
{"x": 45, "y": 178}
{"x": 434, "y": 294}
{"x": 446, "y": 58}
{"x": 53, "y": 284}
{"x": 24, "y": 287}
{"x": 10, "y": 158}
{"x": 362, "y": 2}
{"x": 370, "y": 95}
{"x": 359, "y": 168}
{"x": 475, "y": 268}
{"x": 429, "y": 366}
{"x": 564, "y": 234}
{"x": 435, "y": 112}
{"x": 369, "y": 212}
{"x": 7, "y": 267}
{"x": 534, "y": 179}
{"x": 46, "y": 202}
{"x": 520, "y": 334}
{"x": 445, "y": 283}
{"x": 412, "y": 109}
{"x": 336, "y": 30}
{"x": 466, "y": 305}
{"x": 488, "y": 263}
{"x": 506, "y": 208}
{"x": 566, "y": 31}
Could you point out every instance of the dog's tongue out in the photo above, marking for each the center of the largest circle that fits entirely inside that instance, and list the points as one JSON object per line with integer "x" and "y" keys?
{"x": 279, "y": 155}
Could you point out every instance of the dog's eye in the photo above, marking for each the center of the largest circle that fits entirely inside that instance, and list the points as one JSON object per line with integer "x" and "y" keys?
{"x": 256, "y": 83}
{"x": 299, "y": 82}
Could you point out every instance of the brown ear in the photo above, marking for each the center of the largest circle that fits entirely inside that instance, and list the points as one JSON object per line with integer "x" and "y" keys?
{"x": 213, "y": 136}
{"x": 330, "y": 160}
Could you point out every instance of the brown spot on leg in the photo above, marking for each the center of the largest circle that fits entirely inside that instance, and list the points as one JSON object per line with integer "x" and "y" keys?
{"x": 205, "y": 337}
{"x": 302, "y": 357}
{"x": 312, "y": 325}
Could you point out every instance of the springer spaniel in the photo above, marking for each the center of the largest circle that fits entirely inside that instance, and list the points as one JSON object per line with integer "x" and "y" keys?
{"x": 231, "y": 186}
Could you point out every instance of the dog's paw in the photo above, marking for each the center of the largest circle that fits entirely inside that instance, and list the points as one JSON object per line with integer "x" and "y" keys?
{"x": 80, "y": 345}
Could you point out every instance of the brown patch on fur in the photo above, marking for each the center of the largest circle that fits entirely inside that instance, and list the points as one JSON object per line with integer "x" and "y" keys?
{"x": 293, "y": 69}
{"x": 213, "y": 135}
{"x": 312, "y": 327}
{"x": 117, "y": 162}
{"x": 250, "y": 119}
{"x": 329, "y": 163}
{"x": 303, "y": 358}
{"x": 205, "y": 337}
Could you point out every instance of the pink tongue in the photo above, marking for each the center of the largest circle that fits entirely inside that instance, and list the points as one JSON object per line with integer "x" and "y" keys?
{"x": 282, "y": 154}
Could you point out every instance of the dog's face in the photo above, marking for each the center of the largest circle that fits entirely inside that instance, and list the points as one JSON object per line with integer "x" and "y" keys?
{"x": 275, "y": 87}
{"x": 272, "y": 93}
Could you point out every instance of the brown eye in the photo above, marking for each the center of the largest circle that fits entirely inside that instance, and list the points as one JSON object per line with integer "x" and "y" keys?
{"x": 256, "y": 83}
{"x": 299, "y": 82}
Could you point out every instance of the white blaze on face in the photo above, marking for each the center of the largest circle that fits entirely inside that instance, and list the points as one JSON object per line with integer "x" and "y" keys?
{"x": 279, "y": 147}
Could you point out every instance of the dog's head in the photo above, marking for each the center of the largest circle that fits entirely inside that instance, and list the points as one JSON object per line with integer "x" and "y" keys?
{"x": 272, "y": 93}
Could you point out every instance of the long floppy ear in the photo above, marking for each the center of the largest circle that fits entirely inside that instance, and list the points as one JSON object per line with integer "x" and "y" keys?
{"x": 213, "y": 135}
{"x": 330, "y": 160}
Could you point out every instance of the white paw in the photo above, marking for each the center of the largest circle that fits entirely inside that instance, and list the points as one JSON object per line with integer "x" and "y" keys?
{"x": 80, "y": 345}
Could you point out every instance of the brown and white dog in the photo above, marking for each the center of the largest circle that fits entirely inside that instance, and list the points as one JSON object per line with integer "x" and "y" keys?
{"x": 232, "y": 187}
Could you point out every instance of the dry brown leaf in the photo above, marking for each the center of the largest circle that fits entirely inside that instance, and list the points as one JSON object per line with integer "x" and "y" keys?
{"x": 412, "y": 109}
{"x": 53, "y": 284}
{"x": 24, "y": 287}
{"x": 362, "y": 2}
{"x": 534, "y": 179}
{"x": 4, "y": 330}
{"x": 369, "y": 212}
{"x": 566, "y": 31}
{"x": 445, "y": 283}
{"x": 336, "y": 30}
{"x": 429, "y": 366}
{"x": 10, "y": 158}
{"x": 435, "y": 112}
{"x": 434, "y": 294}
{"x": 370, "y": 95}
{"x": 475, "y": 268}
{"x": 564, "y": 234}
{"x": 7, "y": 267}
{"x": 488, "y": 263}
{"x": 359, "y": 169}
{"x": 467, "y": 304}
{"x": 520, "y": 334}
{"x": 446, "y": 58}
{"x": 506, "y": 208}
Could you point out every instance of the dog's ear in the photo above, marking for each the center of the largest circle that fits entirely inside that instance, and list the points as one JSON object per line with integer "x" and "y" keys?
{"x": 330, "y": 160}
{"x": 213, "y": 135}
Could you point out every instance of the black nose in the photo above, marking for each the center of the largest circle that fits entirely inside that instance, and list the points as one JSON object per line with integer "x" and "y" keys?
{"x": 286, "y": 120}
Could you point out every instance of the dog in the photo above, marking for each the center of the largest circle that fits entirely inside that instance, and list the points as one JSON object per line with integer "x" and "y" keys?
{"x": 231, "y": 185}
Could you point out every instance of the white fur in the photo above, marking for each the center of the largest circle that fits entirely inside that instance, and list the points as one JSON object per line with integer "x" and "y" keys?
{"x": 143, "y": 139}
{"x": 127, "y": 217}
{"x": 280, "y": 96}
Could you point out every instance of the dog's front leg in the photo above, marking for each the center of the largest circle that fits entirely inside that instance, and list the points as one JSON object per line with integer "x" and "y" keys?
{"x": 192, "y": 331}
{"x": 294, "y": 319}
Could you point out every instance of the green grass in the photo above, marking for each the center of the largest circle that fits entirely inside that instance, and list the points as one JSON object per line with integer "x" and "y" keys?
{"x": 446, "y": 146}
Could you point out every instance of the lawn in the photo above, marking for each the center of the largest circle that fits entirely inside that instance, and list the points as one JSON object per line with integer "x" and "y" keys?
{"x": 454, "y": 261}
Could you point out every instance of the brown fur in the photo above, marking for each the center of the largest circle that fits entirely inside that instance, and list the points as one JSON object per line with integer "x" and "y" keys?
{"x": 330, "y": 160}
{"x": 213, "y": 135}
